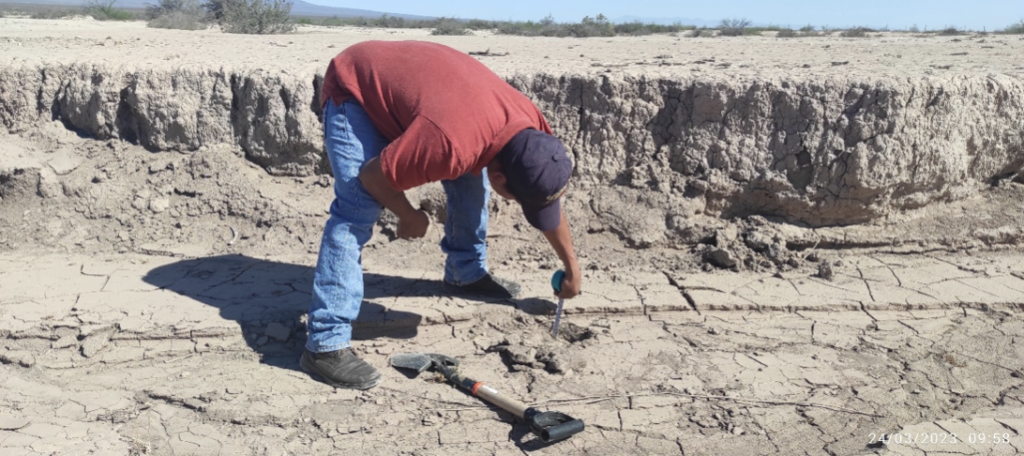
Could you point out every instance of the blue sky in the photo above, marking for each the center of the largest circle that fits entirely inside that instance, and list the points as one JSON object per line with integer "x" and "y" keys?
{"x": 972, "y": 14}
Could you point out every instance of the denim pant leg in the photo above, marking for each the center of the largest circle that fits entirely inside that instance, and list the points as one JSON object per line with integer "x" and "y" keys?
{"x": 351, "y": 140}
{"x": 465, "y": 230}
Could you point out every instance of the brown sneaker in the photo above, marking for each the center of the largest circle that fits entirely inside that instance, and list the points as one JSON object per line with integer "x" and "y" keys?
{"x": 340, "y": 368}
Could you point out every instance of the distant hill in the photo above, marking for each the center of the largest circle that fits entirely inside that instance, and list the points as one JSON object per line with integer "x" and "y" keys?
{"x": 299, "y": 8}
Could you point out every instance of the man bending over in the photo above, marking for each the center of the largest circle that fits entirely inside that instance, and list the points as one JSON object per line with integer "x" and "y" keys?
{"x": 398, "y": 115}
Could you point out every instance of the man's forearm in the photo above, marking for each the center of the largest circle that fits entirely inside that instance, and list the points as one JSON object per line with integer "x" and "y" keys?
{"x": 560, "y": 239}
{"x": 372, "y": 177}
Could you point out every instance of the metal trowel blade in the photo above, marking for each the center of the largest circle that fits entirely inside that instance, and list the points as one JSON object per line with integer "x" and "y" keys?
{"x": 420, "y": 362}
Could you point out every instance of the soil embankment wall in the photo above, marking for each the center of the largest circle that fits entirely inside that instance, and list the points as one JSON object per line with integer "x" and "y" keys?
{"x": 649, "y": 152}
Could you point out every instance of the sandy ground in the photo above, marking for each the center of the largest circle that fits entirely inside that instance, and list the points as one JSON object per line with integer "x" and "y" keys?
{"x": 891, "y": 54}
{"x": 153, "y": 303}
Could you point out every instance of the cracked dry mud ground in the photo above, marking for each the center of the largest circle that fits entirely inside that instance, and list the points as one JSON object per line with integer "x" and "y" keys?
{"x": 152, "y": 300}
{"x": 159, "y": 355}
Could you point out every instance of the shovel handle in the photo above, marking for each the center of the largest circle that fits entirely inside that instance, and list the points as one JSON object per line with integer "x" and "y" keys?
{"x": 484, "y": 392}
{"x": 506, "y": 403}
{"x": 550, "y": 426}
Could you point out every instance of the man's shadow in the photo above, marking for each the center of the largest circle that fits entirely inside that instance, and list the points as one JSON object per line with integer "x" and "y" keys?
{"x": 268, "y": 300}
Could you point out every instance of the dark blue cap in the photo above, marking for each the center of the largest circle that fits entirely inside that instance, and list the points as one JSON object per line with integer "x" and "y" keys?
{"x": 537, "y": 170}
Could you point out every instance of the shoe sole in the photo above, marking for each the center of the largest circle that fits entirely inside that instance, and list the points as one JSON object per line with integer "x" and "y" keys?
{"x": 316, "y": 374}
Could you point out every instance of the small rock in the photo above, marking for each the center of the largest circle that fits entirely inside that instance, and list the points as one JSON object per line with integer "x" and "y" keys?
{"x": 726, "y": 235}
{"x": 825, "y": 271}
{"x": 49, "y": 185}
{"x": 713, "y": 331}
{"x": 158, "y": 205}
{"x": 19, "y": 357}
{"x": 64, "y": 342}
{"x": 140, "y": 201}
{"x": 737, "y": 431}
{"x": 262, "y": 341}
{"x": 758, "y": 242}
{"x": 277, "y": 331}
{"x": 64, "y": 163}
{"x": 721, "y": 258}
{"x": 96, "y": 342}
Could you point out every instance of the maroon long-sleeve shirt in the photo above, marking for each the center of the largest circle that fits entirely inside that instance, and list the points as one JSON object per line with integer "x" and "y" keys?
{"x": 446, "y": 113}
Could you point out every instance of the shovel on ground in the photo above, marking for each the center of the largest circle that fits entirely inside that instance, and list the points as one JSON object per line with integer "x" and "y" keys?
{"x": 549, "y": 426}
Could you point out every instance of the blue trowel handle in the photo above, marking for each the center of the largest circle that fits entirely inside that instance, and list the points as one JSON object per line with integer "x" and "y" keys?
{"x": 556, "y": 280}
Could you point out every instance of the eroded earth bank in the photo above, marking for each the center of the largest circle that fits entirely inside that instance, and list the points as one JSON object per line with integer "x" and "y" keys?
{"x": 792, "y": 246}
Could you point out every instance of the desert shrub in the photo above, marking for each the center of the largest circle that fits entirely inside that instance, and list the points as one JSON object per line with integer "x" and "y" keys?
{"x": 103, "y": 10}
{"x": 856, "y": 32}
{"x": 217, "y": 9}
{"x": 448, "y": 26}
{"x": 950, "y": 31}
{"x": 513, "y": 28}
{"x": 702, "y": 32}
{"x": 54, "y": 14}
{"x": 477, "y": 24}
{"x": 787, "y": 33}
{"x": 179, "y": 20}
{"x": 386, "y": 21}
{"x": 638, "y": 28}
{"x": 162, "y": 7}
{"x": 1016, "y": 29}
{"x": 757, "y": 31}
{"x": 545, "y": 27}
{"x": 914, "y": 29}
{"x": 733, "y": 27}
{"x": 260, "y": 17}
{"x": 635, "y": 28}
{"x": 177, "y": 14}
{"x": 336, "y": 21}
{"x": 598, "y": 26}
{"x": 589, "y": 26}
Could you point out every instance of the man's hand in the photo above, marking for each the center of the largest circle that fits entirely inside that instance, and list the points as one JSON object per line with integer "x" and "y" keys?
{"x": 414, "y": 225}
{"x": 561, "y": 240}
{"x": 570, "y": 286}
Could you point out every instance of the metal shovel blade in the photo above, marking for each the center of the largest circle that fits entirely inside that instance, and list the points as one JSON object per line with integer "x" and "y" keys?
{"x": 420, "y": 362}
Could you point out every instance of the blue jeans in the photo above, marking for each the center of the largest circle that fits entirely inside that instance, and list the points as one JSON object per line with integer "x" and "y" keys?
{"x": 351, "y": 140}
